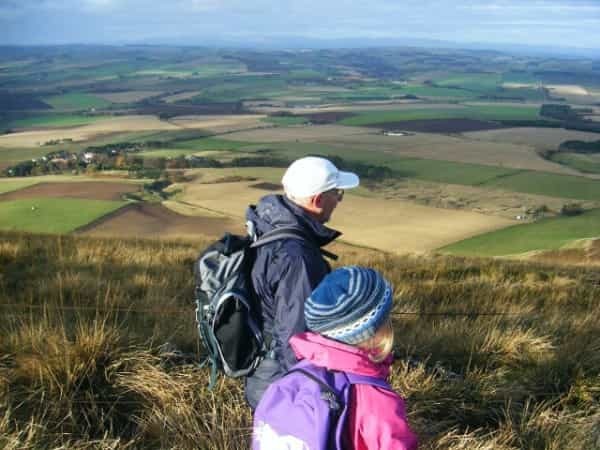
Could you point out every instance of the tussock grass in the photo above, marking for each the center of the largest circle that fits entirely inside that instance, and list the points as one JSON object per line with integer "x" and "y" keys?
{"x": 98, "y": 349}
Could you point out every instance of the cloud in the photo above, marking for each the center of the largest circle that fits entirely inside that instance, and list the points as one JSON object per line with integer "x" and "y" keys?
{"x": 458, "y": 20}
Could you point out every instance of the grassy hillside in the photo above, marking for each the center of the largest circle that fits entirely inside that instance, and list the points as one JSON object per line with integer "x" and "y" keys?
{"x": 491, "y": 355}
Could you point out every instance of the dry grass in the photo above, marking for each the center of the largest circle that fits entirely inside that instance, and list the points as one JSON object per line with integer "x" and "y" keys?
{"x": 583, "y": 252}
{"x": 491, "y": 354}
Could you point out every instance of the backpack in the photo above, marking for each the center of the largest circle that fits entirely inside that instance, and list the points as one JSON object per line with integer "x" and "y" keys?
{"x": 228, "y": 313}
{"x": 306, "y": 409}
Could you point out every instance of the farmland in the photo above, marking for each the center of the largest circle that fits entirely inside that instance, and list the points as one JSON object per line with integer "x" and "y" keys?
{"x": 391, "y": 225}
{"x": 485, "y": 112}
{"x": 372, "y": 143}
{"x": 470, "y": 149}
{"x": 543, "y": 138}
{"x": 7, "y": 185}
{"x": 76, "y": 101}
{"x": 96, "y": 126}
{"x": 93, "y": 190}
{"x": 549, "y": 184}
{"x": 154, "y": 221}
{"x": 127, "y": 96}
{"x": 54, "y": 120}
{"x": 582, "y": 163}
{"x": 46, "y": 215}
{"x": 59, "y": 204}
{"x": 551, "y": 233}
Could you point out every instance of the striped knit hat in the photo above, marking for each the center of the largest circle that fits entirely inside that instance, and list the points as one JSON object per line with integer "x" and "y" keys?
{"x": 349, "y": 305}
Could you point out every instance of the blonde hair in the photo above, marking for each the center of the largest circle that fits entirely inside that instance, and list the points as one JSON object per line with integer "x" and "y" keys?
{"x": 380, "y": 345}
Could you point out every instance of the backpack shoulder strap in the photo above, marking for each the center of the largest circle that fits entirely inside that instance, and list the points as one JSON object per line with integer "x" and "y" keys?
{"x": 365, "y": 379}
{"x": 289, "y": 233}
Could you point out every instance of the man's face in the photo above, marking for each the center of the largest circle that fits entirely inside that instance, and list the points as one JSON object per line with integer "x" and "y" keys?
{"x": 329, "y": 201}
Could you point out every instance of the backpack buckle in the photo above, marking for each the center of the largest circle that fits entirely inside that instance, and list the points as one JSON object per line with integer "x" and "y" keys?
{"x": 330, "y": 398}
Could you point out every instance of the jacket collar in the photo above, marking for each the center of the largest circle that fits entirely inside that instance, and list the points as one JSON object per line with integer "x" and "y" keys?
{"x": 335, "y": 355}
{"x": 274, "y": 211}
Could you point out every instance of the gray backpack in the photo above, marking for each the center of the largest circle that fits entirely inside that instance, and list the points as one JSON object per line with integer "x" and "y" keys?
{"x": 227, "y": 311}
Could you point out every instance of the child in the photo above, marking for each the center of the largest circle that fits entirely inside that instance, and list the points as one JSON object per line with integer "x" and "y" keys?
{"x": 350, "y": 335}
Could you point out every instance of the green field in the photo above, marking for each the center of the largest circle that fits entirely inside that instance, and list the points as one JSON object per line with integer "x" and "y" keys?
{"x": 519, "y": 77}
{"x": 546, "y": 234}
{"x": 481, "y": 112}
{"x": 192, "y": 146}
{"x": 233, "y": 89}
{"x": 8, "y": 184}
{"x": 210, "y": 144}
{"x": 22, "y": 154}
{"x": 553, "y": 185}
{"x": 214, "y": 69}
{"x": 55, "y": 120}
{"x": 285, "y": 120}
{"x": 435, "y": 91}
{"x": 582, "y": 162}
{"x": 166, "y": 152}
{"x": 210, "y": 69}
{"x": 76, "y": 101}
{"x": 384, "y": 92}
{"x": 471, "y": 81}
{"x": 52, "y": 215}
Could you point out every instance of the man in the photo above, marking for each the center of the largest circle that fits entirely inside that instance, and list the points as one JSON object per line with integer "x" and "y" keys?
{"x": 286, "y": 271}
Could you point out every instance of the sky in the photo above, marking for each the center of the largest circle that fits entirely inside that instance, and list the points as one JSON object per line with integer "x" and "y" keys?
{"x": 547, "y": 23}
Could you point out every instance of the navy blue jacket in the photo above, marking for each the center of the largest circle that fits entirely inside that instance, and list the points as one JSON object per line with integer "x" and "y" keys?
{"x": 284, "y": 274}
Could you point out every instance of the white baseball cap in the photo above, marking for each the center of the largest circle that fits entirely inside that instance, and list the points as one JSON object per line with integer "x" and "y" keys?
{"x": 311, "y": 175}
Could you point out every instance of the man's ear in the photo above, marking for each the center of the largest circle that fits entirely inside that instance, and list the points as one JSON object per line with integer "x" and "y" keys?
{"x": 317, "y": 200}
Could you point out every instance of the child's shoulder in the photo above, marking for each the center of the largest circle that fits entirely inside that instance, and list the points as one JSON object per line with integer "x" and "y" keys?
{"x": 378, "y": 416}
{"x": 378, "y": 399}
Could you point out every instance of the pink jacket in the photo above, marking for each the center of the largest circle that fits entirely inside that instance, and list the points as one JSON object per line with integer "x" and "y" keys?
{"x": 377, "y": 417}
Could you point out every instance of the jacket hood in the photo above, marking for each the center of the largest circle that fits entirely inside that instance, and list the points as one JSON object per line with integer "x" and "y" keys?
{"x": 275, "y": 211}
{"x": 336, "y": 355}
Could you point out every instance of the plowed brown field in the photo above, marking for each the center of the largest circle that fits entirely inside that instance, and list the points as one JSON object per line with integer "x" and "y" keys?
{"x": 150, "y": 220}
{"x": 91, "y": 190}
